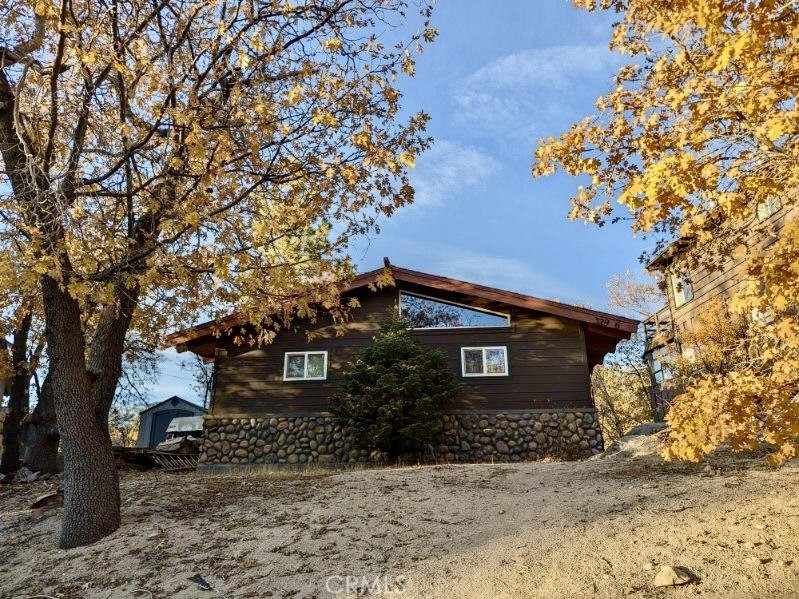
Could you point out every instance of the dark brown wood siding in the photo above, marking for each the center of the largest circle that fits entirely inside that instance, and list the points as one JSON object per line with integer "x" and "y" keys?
{"x": 546, "y": 354}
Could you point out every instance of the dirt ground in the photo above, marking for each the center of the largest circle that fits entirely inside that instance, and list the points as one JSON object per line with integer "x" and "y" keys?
{"x": 602, "y": 527}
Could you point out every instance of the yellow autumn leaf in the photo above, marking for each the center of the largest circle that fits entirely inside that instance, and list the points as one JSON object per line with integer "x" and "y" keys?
{"x": 776, "y": 127}
{"x": 89, "y": 57}
{"x": 332, "y": 44}
{"x": 408, "y": 65}
{"x": 323, "y": 117}
{"x": 295, "y": 94}
{"x": 407, "y": 159}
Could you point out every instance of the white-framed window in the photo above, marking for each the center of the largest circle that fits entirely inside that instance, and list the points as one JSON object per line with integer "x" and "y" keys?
{"x": 660, "y": 368}
{"x": 768, "y": 207}
{"x": 681, "y": 288}
{"x": 305, "y": 366}
{"x": 484, "y": 361}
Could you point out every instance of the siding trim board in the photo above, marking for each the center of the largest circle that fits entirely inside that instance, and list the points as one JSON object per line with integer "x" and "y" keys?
{"x": 519, "y": 412}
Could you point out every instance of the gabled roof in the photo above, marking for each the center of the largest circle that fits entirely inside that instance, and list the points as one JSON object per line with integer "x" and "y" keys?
{"x": 611, "y": 325}
{"x": 169, "y": 399}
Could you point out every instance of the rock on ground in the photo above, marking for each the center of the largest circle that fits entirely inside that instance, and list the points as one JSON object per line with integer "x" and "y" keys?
{"x": 671, "y": 576}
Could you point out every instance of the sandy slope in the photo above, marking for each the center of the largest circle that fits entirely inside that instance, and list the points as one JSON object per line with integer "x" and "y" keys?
{"x": 600, "y": 527}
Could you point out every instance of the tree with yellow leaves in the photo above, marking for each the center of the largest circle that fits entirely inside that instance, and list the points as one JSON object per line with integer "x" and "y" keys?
{"x": 158, "y": 153}
{"x": 702, "y": 128}
{"x": 21, "y": 349}
{"x": 621, "y": 387}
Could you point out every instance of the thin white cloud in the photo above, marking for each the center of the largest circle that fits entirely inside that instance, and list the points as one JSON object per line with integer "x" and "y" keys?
{"x": 447, "y": 169}
{"x": 458, "y": 262}
{"x": 529, "y": 93}
{"x": 504, "y": 273}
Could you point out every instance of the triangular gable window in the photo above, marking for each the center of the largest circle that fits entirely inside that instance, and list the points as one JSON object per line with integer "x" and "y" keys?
{"x": 428, "y": 313}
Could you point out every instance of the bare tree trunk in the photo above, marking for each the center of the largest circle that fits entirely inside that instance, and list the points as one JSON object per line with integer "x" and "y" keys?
{"x": 18, "y": 402}
{"x": 17, "y": 409}
{"x": 84, "y": 384}
{"x": 41, "y": 437}
{"x": 91, "y": 486}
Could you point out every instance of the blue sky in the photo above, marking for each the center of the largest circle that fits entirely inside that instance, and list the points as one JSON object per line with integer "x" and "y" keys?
{"x": 500, "y": 76}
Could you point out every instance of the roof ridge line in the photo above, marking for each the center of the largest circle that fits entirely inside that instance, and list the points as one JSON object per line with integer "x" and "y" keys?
{"x": 531, "y": 302}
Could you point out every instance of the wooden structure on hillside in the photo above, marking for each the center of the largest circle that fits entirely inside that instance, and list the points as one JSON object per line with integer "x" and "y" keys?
{"x": 511, "y": 351}
{"x": 524, "y": 364}
{"x": 688, "y": 291}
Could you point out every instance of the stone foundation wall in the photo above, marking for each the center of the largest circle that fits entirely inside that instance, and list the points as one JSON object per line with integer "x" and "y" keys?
{"x": 277, "y": 440}
{"x": 514, "y": 437}
{"x": 499, "y": 437}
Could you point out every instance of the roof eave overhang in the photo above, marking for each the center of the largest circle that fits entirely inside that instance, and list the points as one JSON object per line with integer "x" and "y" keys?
{"x": 613, "y": 325}
{"x": 662, "y": 260}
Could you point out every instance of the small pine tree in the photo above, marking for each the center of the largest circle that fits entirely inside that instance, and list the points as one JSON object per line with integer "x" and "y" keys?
{"x": 394, "y": 392}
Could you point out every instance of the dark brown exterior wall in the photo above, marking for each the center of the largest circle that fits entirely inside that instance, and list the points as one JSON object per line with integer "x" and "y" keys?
{"x": 547, "y": 363}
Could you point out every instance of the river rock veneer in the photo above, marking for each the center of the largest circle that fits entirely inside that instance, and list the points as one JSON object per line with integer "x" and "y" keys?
{"x": 497, "y": 437}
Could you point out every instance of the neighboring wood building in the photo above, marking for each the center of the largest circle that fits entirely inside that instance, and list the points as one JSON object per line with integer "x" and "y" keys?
{"x": 688, "y": 291}
{"x": 154, "y": 421}
{"x": 524, "y": 363}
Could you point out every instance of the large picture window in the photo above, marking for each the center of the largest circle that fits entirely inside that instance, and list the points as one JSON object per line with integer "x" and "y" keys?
{"x": 305, "y": 366}
{"x": 484, "y": 361}
{"x": 427, "y": 313}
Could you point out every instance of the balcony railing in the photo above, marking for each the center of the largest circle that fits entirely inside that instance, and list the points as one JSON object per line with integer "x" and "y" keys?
{"x": 658, "y": 328}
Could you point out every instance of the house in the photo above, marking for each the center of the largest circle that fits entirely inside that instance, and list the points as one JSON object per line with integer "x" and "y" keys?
{"x": 524, "y": 363}
{"x": 688, "y": 291}
{"x": 154, "y": 421}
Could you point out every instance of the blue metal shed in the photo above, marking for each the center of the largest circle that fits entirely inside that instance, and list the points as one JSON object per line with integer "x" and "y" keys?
{"x": 154, "y": 421}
